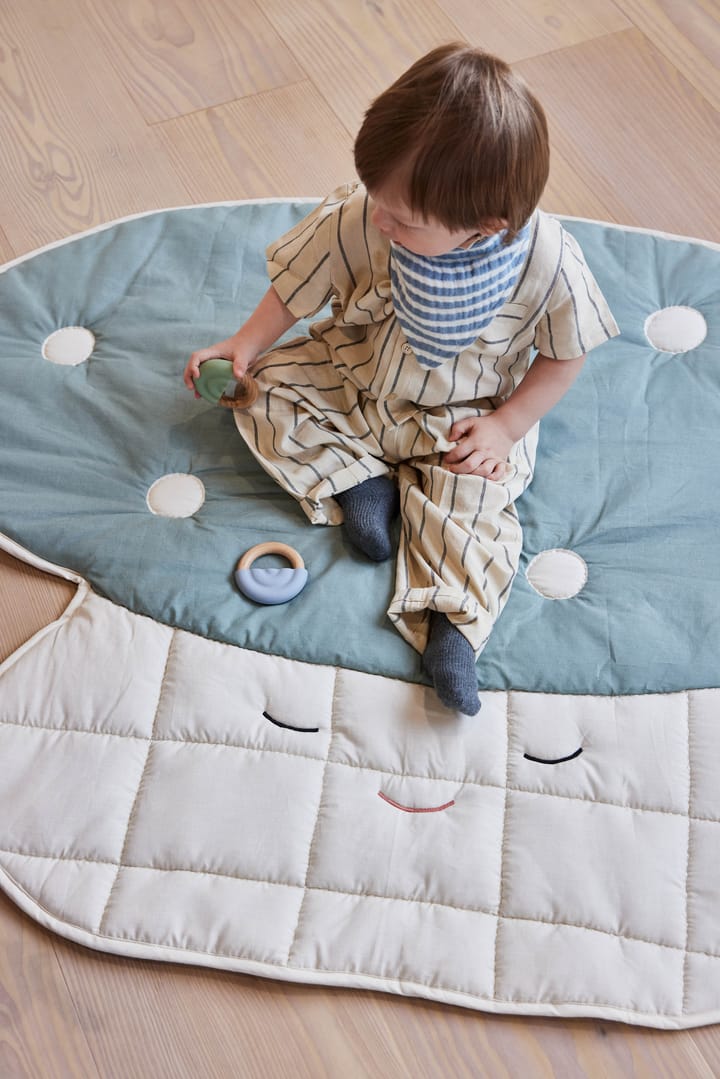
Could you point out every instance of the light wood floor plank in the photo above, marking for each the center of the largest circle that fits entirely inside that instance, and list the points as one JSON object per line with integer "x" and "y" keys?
{"x": 177, "y": 57}
{"x": 566, "y": 193}
{"x": 353, "y": 50}
{"x": 203, "y": 1022}
{"x": 635, "y": 130}
{"x": 29, "y": 600}
{"x": 40, "y": 1035}
{"x": 688, "y": 35}
{"x": 707, "y": 1041}
{"x": 284, "y": 142}
{"x": 634, "y": 140}
{"x": 199, "y": 1022}
{"x": 524, "y": 28}
{"x": 73, "y": 148}
{"x": 7, "y": 252}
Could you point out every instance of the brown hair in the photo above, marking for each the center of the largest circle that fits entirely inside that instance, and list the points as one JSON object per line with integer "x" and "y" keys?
{"x": 464, "y": 136}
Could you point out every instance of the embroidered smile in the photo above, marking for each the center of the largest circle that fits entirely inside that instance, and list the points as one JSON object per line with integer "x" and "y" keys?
{"x": 415, "y": 809}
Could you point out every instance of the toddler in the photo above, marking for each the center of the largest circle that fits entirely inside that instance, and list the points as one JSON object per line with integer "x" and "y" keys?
{"x": 460, "y": 315}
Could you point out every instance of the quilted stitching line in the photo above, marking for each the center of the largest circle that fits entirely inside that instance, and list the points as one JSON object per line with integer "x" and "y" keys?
{"x": 503, "y": 842}
{"x": 152, "y": 868}
{"x": 434, "y": 903}
{"x": 71, "y": 730}
{"x": 511, "y": 918}
{"x": 597, "y": 929}
{"x": 635, "y": 807}
{"x": 609, "y": 804}
{"x": 380, "y": 978}
{"x": 296, "y": 930}
{"x": 131, "y": 815}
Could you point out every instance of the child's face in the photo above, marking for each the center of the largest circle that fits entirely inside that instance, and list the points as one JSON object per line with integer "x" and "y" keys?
{"x": 391, "y": 216}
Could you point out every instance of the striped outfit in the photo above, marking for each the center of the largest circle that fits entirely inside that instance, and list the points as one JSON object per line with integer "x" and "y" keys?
{"x": 352, "y": 401}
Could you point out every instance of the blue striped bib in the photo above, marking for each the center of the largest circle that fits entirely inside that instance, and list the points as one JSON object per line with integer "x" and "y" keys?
{"x": 444, "y": 302}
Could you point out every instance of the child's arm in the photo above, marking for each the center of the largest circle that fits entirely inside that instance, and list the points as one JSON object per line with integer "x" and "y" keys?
{"x": 270, "y": 319}
{"x": 484, "y": 442}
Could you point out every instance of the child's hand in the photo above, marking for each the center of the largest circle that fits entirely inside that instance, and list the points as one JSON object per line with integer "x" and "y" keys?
{"x": 482, "y": 447}
{"x": 230, "y": 349}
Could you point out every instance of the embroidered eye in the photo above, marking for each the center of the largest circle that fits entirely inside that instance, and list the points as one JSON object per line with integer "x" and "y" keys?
{"x": 557, "y": 760}
{"x": 289, "y": 726}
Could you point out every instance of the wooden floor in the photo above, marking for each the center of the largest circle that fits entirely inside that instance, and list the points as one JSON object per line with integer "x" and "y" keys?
{"x": 109, "y": 107}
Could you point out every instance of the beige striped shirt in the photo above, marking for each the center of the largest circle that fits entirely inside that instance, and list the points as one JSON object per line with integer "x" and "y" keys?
{"x": 335, "y": 254}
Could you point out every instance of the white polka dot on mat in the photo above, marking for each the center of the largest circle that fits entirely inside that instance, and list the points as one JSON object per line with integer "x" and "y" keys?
{"x": 69, "y": 346}
{"x": 675, "y": 329}
{"x": 176, "y": 495}
{"x": 557, "y": 573}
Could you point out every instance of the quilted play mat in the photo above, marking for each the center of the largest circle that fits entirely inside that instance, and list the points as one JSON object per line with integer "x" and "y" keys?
{"x": 189, "y": 776}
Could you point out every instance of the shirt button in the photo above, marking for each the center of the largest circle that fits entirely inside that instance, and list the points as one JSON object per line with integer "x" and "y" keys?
{"x": 406, "y": 348}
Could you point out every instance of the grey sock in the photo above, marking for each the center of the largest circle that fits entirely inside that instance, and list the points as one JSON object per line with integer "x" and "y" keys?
{"x": 450, "y": 661}
{"x": 369, "y": 510}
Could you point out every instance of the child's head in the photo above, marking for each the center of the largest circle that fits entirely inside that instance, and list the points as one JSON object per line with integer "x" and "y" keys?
{"x": 458, "y": 142}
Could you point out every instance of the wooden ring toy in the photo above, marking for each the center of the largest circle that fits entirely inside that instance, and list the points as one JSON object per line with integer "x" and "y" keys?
{"x": 269, "y": 585}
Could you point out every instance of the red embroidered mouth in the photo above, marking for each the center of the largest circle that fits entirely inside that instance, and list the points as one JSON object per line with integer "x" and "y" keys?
{"x": 415, "y": 809}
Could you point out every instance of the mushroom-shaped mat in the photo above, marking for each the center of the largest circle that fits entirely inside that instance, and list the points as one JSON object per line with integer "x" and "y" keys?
{"x": 186, "y": 774}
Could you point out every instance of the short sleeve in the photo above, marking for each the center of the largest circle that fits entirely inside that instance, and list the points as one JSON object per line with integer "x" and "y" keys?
{"x": 298, "y": 264}
{"x": 577, "y": 317}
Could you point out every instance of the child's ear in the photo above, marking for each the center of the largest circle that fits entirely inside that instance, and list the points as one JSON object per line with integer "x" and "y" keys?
{"x": 492, "y": 225}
